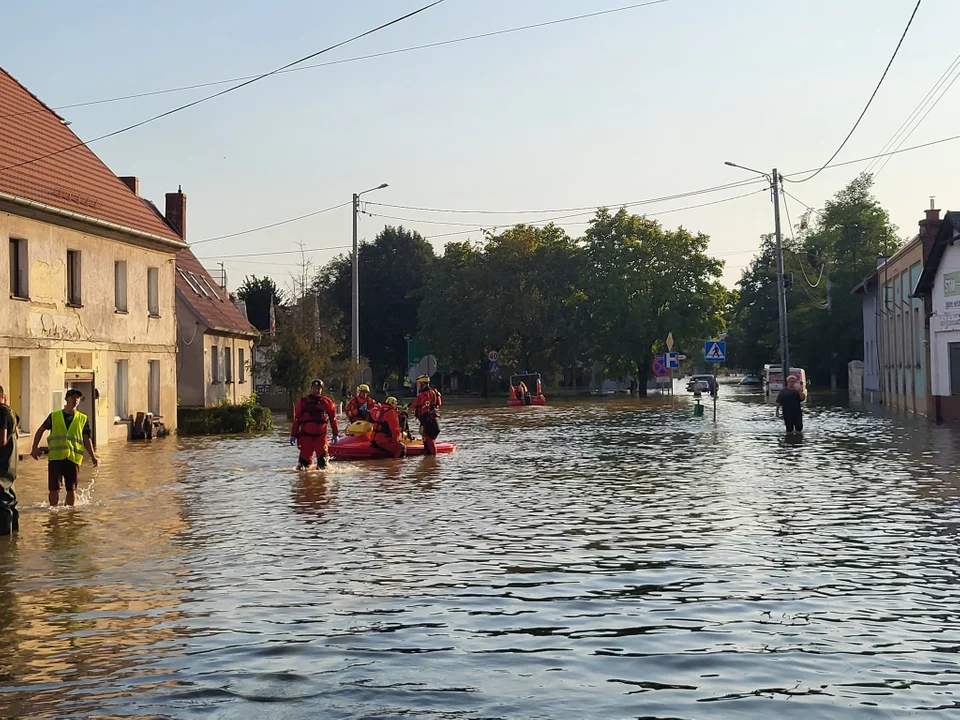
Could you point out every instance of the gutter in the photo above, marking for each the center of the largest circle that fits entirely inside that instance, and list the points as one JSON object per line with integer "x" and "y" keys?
{"x": 70, "y": 214}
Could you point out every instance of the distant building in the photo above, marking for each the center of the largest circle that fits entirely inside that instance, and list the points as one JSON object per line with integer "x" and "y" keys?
{"x": 939, "y": 287}
{"x": 90, "y": 270}
{"x": 896, "y": 357}
{"x": 214, "y": 338}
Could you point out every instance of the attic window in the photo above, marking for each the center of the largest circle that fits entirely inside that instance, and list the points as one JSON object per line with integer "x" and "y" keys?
{"x": 215, "y": 293}
{"x": 199, "y": 284}
{"x": 188, "y": 281}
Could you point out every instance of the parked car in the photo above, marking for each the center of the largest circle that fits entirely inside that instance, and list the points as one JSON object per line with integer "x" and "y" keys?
{"x": 751, "y": 381}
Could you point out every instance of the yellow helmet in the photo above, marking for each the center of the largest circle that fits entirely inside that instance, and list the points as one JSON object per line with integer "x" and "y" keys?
{"x": 363, "y": 388}
{"x": 423, "y": 378}
{"x": 391, "y": 401}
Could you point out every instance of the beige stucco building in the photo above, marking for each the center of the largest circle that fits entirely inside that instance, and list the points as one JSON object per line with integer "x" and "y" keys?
{"x": 90, "y": 273}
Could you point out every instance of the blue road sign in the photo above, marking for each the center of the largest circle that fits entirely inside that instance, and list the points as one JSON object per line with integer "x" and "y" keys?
{"x": 494, "y": 368}
{"x": 673, "y": 360}
{"x": 715, "y": 351}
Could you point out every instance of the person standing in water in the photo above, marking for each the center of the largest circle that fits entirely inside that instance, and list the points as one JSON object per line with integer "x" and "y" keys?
{"x": 426, "y": 408}
{"x": 386, "y": 434}
{"x": 9, "y": 424}
{"x": 789, "y": 403}
{"x": 311, "y": 415}
{"x": 70, "y": 435}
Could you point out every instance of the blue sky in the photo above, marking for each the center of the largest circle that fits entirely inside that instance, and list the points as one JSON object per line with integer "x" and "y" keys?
{"x": 638, "y": 104}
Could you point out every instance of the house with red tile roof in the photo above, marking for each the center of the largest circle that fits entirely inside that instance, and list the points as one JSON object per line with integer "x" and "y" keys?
{"x": 214, "y": 338}
{"x": 91, "y": 274}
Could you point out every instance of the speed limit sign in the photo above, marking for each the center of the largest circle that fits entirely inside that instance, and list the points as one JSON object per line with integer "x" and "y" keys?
{"x": 493, "y": 356}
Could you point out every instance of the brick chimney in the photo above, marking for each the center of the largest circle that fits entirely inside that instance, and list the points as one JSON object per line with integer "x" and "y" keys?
{"x": 176, "y": 212}
{"x": 133, "y": 183}
{"x": 929, "y": 227}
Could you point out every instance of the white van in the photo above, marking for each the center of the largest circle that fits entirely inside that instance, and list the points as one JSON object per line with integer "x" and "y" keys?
{"x": 773, "y": 378}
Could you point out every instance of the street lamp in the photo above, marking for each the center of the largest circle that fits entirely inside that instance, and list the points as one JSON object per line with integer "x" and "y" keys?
{"x": 775, "y": 179}
{"x": 355, "y": 344}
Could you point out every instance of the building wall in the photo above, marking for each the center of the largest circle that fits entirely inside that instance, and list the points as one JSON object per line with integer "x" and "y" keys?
{"x": 903, "y": 351}
{"x": 195, "y": 379}
{"x": 945, "y": 329}
{"x": 48, "y": 343}
{"x": 871, "y": 348}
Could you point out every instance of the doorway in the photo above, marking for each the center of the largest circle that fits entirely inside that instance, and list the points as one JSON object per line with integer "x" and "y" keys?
{"x": 18, "y": 392}
{"x": 88, "y": 405}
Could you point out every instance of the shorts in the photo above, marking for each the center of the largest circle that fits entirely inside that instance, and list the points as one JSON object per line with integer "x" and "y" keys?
{"x": 794, "y": 423}
{"x": 62, "y": 473}
{"x": 430, "y": 427}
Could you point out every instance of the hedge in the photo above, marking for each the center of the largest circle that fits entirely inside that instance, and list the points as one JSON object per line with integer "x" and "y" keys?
{"x": 224, "y": 418}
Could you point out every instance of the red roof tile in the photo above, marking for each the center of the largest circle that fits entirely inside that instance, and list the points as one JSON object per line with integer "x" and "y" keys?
{"x": 210, "y": 303}
{"x": 76, "y": 180}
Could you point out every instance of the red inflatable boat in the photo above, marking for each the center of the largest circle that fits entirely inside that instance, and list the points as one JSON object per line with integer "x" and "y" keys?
{"x": 358, "y": 447}
{"x": 526, "y": 389}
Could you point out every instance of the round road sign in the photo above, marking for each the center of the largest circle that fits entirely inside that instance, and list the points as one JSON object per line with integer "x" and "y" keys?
{"x": 660, "y": 366}
{"x": 493, "y": 356}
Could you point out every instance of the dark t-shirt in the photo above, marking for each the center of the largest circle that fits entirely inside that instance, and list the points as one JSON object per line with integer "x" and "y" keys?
{"x": 789, "y": 400}
{"x": 8, "y": 453}
{"x": 67, "y": 420}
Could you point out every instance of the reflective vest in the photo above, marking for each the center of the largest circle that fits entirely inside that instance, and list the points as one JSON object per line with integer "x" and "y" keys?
{"x": 67, "y": 443}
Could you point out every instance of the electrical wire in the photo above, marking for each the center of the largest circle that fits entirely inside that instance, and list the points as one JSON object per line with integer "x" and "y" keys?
{"x": 274, "y": 252}
{"x": 271, "y": 225}
{"x": 786, "y": 209}
{"x": 228, "y": 90}
{"x": 920, "y": 121}
{"x": 870, "y": 101}
{"x": 845, "y": 163}
{"x": 916, "y": 111}
{"x": 398, "y": 51}
{"x": 585, "y": 208}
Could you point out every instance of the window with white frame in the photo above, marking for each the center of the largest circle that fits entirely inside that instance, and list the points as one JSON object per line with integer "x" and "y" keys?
{"x": 121, "y": 389}
{"x": 153, "y": 391}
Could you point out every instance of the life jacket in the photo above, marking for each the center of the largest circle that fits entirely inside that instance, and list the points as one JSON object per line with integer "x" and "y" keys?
{"x": 360, "y": 409}
{"x": 428, "y": 404}
{"x": 67, "y": 443}
{"x": 380, "y": 424}
{"x": 313, "y": 418}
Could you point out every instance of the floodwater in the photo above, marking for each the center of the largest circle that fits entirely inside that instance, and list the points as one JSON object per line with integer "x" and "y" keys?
{"x": 606, "y": 558}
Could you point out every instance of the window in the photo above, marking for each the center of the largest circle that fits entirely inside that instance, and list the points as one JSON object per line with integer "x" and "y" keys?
{"x": 18, "y": 269}
{"x": 120, "y": 286}
{"x": 215, "y": 363}
{"x": 120, "y": 390}
{"x": 73, "y": 278}
{"x": 228, "y": 365}
{"x": 241, "y": 367}
{"x": 153, "y": 389}
{"x": 153, "y": 292}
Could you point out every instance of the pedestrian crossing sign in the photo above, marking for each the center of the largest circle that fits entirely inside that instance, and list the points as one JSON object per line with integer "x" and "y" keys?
{"x": 715, "y": 351}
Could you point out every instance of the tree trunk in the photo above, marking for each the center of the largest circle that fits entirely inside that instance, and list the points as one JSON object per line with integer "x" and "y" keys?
{"x": 642, "y": 377}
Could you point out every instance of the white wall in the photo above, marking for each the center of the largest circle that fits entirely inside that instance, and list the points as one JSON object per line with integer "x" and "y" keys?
{"x": 945, "y": 323}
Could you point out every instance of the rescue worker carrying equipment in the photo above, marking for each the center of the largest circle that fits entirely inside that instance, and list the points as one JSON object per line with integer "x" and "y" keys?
{"x": 386, "y": 434}
{"x": 426, "y": 408}
{"x": 311, "y": 415}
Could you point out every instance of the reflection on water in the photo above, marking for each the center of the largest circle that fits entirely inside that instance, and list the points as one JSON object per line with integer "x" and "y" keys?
{"x": 601, "y": 559}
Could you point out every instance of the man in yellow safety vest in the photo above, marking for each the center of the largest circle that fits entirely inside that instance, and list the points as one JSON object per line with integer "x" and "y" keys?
{"x": 69, "y": 436}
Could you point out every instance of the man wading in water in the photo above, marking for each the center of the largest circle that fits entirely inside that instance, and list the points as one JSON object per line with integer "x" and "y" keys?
{"x": 789, "y": 402}
{"x": 9, "y": 422}
{"x": 69, "y": 436}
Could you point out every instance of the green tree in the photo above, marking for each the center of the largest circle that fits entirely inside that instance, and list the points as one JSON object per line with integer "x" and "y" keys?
{"x": 258, "y": 294}
{"x": 392, "y": 270}
{"x": 644, "y": 282}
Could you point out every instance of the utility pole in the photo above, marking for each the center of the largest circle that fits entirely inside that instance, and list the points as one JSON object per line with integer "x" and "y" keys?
{"x": 781, "y": 290}
{"x": 833, "y": 355}
{"x": 355, "y": 294}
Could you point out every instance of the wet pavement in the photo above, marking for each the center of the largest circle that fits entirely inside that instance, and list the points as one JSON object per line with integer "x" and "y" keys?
{"x": 605, "y": 558}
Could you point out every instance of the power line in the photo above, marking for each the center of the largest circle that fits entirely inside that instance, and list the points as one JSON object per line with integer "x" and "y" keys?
{"x": 228, "y": 90}
{"x": 786, "y": 209}
{"x": 273, "y": 252}
{"x": 916, "y": 111}
{"x": 271, "y": 225}
{"x": 920, "y": 121}
{"x": 585, "y": 208}
{"x": 878, "y": 155}
{"x": 870, "y": 101}
{"x": 426, "y": 46}
{"x": 797, "y": 199}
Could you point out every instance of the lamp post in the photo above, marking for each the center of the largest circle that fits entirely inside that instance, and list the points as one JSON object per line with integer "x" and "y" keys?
{"x": 355, "y": 340}
{"x": 774, "y": 179}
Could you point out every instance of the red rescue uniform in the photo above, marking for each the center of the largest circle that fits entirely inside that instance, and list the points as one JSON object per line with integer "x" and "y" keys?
{"x": 311, "y": 415}
{"x": 359, "y": 408}
{"x": 426, "y": 408}
{"x": 387, "y": 430}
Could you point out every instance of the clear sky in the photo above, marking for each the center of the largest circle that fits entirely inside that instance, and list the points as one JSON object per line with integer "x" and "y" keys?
{"x": 638, "y": 104}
